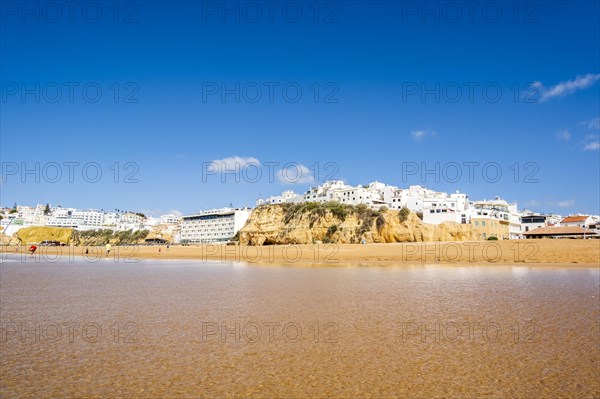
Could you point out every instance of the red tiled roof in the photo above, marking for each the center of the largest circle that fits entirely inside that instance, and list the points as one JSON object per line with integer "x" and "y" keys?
{"x": 571, "y": 219}
{"x": 561, "y": 230}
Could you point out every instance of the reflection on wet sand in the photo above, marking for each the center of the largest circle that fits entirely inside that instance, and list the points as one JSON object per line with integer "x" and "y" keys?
{"x": 186, "y": 329}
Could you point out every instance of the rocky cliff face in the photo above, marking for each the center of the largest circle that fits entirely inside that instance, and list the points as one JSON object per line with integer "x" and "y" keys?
{"x": 343, "y": 224}
{"x": 37, "y": 234}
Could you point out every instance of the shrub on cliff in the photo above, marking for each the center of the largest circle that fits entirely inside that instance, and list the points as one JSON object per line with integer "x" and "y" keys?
{"x": 403, "y": 214}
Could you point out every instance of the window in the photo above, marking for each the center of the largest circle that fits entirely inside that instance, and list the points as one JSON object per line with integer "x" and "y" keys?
{"x": 483, "y": 224}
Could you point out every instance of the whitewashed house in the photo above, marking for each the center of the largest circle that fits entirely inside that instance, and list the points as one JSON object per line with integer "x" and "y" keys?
{"x": 453, "y": 208}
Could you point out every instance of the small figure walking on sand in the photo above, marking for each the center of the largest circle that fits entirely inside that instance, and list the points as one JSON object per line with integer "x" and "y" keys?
{"x": 32, "y": 249}
{"x": 159, "y": 249}
{"x": 107, "y": 249}
{"x": 87, "y": 251}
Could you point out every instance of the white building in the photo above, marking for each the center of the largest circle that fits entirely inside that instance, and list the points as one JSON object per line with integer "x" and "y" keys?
{"x": 285, "y": 196}
{"x": 130, "y": 221}
{"x": 32, "y": 216}
{"x": 90, "y": 218}
{"x": 63, "y": 217}
{"x": 111, "y": 220}
{"x": 64, "y": 221}
{"x": 374, "y": 195}
{"x": 216, "y": 225}
{"x": 453, "y": 208}
{"x": 500, "y": 210}
{"x": 532, "y": 221}
{"x": 170, "y": 219}
{"x": 584, "y": 221}
{"x": 413, "y": 197}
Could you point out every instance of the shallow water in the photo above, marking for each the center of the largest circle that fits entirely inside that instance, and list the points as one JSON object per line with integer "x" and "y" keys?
{"x": 193, "y": 329}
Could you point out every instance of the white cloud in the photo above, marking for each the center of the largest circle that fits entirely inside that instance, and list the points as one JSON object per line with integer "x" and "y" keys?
{"x": 563, "y": 203}
{"x": 563, "y": 135}
{"x": 296, "y": 173}
{"x": 567, "y": 87}
{"x": 592, "y": 146}
{"x": 532, "y": 203}
{"x": 159, "y": 212}
{"x": 418, "y": 135}
{"x": 593, "y": 124}
{"x": 592, "y": 143}
{"x": 233, "y": 164}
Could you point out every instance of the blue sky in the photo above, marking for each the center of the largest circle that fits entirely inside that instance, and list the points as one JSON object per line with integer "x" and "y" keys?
{"x": 158, "y": 90}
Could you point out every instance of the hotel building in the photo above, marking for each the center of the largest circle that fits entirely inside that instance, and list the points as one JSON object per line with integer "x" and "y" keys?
{"x": 216, "y": 225}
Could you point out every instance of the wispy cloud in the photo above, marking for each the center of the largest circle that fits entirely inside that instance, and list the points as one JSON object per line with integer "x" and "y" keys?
{"x": 233, "y": 164}
{"x": 567, "y": 203}
{"x": 296, "y": 173}
{"x": 592, "y": 143}
{"x": 160, "y": 212}
{"x": 418, "y": 135}
{"x": 563, "y": 135}
{"x": 563, "y": 203}
{"x": 532, "y": 203}
{"x": 592, "y": 124}
{"x": 567, "y": 87}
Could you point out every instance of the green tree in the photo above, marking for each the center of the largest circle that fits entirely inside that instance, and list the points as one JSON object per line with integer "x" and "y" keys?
{"x": 47, "y": 209}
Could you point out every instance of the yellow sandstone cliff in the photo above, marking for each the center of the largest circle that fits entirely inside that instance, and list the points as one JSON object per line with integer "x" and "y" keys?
{"x": 342, "y": 224}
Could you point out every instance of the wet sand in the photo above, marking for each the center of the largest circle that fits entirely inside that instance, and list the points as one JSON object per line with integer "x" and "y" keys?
{"x": 193, "y": 329}
{"x": 531, "y": 252}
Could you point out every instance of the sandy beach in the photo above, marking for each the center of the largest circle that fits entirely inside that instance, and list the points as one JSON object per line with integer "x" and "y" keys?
{"x": 531, "y": 252}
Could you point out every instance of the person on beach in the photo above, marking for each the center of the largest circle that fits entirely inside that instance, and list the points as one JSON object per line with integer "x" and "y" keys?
{"x": 159, "y": 249}
{"x": 32, "y": 249}
{"x": 87, "y": 251}
{"x": 107, "y": 249}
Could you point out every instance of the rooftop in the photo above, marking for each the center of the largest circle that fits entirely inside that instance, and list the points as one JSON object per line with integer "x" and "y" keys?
{"x": 573, "y": 219}
{"x": 558, "y": 231}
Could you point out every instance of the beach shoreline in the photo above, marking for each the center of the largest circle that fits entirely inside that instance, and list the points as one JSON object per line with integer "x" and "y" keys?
{"x": 584, "y": 253}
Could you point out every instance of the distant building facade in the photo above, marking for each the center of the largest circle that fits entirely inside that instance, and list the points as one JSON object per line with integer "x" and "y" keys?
{"x": 217, "y": 225}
